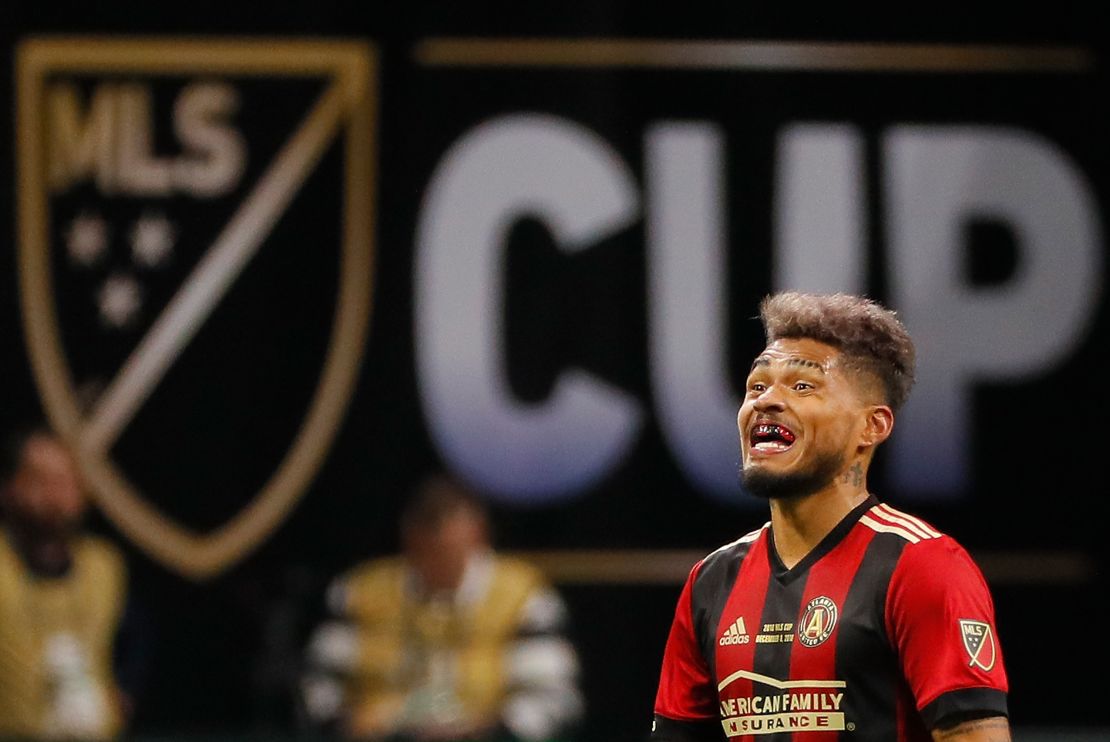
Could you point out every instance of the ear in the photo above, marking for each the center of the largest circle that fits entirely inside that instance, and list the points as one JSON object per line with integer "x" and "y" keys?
{"x": 878, "y": 426}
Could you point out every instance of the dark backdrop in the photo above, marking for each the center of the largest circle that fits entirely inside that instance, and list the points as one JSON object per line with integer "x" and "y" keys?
{"x": 225, "y": 648}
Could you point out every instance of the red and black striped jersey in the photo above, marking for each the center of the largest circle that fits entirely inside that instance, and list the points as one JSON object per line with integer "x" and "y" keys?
{"x": 882, "y": 632}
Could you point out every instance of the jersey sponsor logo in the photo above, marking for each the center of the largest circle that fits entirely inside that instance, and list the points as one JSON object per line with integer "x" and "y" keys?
{"x": 774, "y": 723}
{"x": 150, "y": 180}
{"x": 735, "y": 634}
{"x": 979, "y": 643}
{"x": 818, "y": 621}
{"x": 795, "y": 708}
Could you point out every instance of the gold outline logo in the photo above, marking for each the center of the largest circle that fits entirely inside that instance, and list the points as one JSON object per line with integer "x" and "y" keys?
{"x": 978, "y": 638}
{"x": 818, "y": 621}
{"x": 343, "y": 110}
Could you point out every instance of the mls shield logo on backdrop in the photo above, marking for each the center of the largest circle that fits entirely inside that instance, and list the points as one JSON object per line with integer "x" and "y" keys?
{"x": 195, "y": 224}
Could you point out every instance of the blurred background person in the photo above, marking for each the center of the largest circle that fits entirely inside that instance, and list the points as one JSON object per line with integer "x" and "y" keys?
{"x": 63, "y": 602}
{"x": 448, "y": 640}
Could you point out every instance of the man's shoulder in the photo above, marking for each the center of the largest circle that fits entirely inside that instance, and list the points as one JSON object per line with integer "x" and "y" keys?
{"x": 916, "y": 537}
{"x": 100, "y": 549}
{"x": 737, "y": 547}
{"x": 378, "y": 571}
{"x": 724, "y": 560}
{"x": 518, "y": 568}
{"x": 886, "y": 518}
{"x": 366, "y": 587}
{"x": 100, "y": 561}
{"x": 929, "y": 562}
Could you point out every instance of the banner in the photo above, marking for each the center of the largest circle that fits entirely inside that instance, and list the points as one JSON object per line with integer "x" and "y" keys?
{"x": 263, "y": 282}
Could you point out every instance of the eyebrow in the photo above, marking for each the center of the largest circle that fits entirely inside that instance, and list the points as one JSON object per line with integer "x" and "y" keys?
{"x": 765, "y": 361}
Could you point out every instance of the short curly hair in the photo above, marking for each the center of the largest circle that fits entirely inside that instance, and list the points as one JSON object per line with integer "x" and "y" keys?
{"x": 871, "y": 337}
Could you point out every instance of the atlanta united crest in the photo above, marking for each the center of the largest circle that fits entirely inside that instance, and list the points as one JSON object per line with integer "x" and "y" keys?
{"x": 195, "y": 258}
{"x": 818, "y": 621}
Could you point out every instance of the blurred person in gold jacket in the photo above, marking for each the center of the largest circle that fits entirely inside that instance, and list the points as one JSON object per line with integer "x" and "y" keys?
{"x": 446, "y": 641}
{"x": 62, "y": 599}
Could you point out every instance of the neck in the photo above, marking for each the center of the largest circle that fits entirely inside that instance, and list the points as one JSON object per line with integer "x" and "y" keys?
{"x": 45, "y": 554}
{"x": 800, "y": 524}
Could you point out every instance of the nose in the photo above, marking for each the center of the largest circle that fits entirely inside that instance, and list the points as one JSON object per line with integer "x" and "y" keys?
{"x": 769, "y": 400}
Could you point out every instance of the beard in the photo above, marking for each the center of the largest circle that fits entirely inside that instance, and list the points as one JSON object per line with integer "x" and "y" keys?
{"x": 797, "y": 484}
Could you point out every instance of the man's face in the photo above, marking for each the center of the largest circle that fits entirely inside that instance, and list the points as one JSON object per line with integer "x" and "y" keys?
{"x": 46, "y": 491}
{"x": 440, "y": 552}
{"x": 800, "y": 420}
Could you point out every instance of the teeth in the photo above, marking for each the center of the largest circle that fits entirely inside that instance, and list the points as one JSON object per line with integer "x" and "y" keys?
{"x": 772, "y": 430}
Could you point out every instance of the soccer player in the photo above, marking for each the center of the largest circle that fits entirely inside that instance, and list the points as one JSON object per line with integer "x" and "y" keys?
{"x": 843, "y": 617}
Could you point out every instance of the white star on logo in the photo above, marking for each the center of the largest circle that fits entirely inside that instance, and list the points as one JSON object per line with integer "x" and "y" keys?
{"x": 152, "y": 240}
{"x": 120, "y": 298}
{"x": 87, "y": 239}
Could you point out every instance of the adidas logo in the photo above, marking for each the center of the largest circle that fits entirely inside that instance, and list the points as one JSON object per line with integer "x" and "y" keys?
{"x": 735, "y": 634}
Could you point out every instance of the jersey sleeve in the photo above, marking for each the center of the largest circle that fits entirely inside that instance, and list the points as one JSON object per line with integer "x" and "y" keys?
{"x": 686, "y": 700}
{"x": 940, "y": 616}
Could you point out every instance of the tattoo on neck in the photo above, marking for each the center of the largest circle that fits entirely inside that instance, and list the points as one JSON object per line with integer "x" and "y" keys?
{"x": 854, "y": 475}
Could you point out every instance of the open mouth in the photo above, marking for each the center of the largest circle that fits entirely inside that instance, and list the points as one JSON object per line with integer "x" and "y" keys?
{"x": 771, "y": 437}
